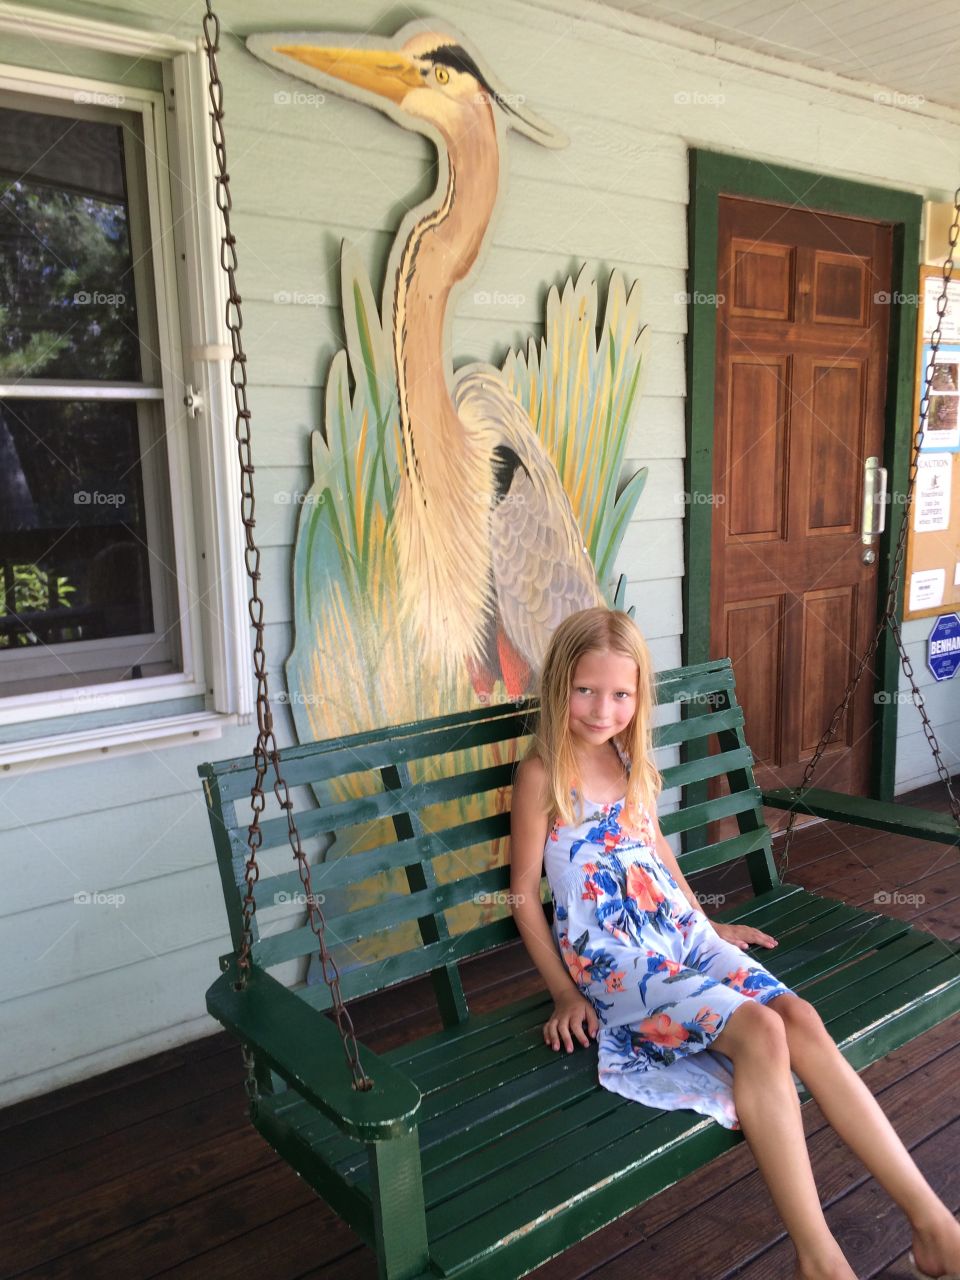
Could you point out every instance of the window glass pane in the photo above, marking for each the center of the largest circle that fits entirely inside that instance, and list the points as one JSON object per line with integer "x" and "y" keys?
{"x": 67, "y": 298}
{"x": 80, "y": 501}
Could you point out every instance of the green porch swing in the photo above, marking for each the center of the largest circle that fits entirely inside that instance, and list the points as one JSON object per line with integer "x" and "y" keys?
{"x": 439, "y": 1154}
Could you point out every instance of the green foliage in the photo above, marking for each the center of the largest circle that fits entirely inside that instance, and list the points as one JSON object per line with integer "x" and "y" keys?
{"x": 67, "y": 306}
{"x": 31, "y": 592}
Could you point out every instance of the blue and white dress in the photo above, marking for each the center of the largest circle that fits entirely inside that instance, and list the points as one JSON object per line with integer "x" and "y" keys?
{"x": 662, "y": 981}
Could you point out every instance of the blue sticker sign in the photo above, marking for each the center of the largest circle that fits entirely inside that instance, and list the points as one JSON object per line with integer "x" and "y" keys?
{"x": 943, "y": 647}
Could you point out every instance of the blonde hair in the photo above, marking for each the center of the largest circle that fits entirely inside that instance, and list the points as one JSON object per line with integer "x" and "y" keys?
{"x": 598, "y": 629}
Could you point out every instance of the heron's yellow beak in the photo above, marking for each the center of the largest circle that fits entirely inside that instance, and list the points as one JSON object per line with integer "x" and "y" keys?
{"x": 385, "y": 72}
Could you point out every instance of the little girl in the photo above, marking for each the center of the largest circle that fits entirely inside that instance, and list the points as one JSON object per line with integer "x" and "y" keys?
{"x": 681, "y": 1017}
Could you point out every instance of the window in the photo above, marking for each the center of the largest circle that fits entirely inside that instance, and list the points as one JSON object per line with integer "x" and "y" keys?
{"x": 120, "y": 541}
{"x": 86, "y": 545}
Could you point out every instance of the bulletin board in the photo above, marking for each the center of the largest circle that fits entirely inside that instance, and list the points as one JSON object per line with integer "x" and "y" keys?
{"x": 933, "y": 539}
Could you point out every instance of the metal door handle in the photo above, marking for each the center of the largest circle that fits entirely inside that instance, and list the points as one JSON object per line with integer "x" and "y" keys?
{"x": 874, "y": 501}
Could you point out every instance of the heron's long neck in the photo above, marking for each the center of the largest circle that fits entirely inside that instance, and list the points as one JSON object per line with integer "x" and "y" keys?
{"x": 440, "y": 251}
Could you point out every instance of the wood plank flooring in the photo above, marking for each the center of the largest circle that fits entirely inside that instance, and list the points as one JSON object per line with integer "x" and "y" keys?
{"x": 153, "y": 1169}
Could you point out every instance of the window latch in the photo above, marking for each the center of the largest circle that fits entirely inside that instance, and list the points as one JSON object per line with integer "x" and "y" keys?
{"x": 194, "y": 402}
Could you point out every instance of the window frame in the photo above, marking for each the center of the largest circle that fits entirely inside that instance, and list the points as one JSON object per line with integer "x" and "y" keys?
{"x": 194, "y": 356}
{"x": 147, "y": 399}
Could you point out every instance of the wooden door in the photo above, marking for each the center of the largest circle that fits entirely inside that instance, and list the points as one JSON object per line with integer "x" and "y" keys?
{"x": 800, "y": 392}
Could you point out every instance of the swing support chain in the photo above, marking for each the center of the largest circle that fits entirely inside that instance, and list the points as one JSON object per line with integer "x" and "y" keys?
{"x": 889, "y": 617}
{"x": 266, "y": 752}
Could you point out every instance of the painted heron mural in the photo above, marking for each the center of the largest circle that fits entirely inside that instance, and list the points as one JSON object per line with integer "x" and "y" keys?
{"x": 456, "y": 516}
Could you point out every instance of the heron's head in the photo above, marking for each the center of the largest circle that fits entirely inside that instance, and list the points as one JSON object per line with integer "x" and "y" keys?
{"x": 430, "y": 77}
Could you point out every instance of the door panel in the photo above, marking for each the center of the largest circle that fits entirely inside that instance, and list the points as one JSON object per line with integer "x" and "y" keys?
{"x": 800, "y": 394}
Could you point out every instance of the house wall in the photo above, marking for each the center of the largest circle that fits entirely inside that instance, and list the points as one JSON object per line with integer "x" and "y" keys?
{"x": 87, "y": 989}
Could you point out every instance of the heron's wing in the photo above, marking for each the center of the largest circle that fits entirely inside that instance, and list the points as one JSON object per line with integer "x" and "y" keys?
{"x": 541, "y": 567}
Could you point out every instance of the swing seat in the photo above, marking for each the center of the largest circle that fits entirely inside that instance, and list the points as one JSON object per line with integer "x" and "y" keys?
{"x": 900, "y": 819}
{"x": 480, "y": 1152}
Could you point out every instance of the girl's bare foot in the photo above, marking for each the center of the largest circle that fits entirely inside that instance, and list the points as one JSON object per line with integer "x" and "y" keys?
{"x": 936, "y": 1246}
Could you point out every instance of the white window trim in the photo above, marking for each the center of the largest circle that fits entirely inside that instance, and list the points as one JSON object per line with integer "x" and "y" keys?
{"x": 209, "y": 552}
{"x": 204, "y": 304}
{"x": 108, "y": 742}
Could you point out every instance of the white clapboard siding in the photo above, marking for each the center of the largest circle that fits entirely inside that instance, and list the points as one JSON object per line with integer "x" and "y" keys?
{"x": 601, "y": 155}
{"x": 60, "y": 857}
{"x": 284, "y": 417}
{"x": 91, "y": 986}
{"x": 915, "y": 764}
{"x": 69, "y": 1031}
{"x": 297, "y": 251}
{"x": 95, "y": 787}
{"x": 303, "y": 275}
{"x": 296, "y": 345}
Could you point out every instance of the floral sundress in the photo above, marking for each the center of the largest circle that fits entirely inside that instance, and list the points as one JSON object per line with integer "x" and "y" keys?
{"x": 662, "y": 981}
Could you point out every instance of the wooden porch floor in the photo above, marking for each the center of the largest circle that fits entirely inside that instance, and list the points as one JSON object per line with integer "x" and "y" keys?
{"x": 153, "y": 1169}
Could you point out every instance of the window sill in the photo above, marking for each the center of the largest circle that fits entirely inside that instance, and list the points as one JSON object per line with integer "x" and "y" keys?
{"x": 107, "y": 743}
{"x": 53, "y": 704}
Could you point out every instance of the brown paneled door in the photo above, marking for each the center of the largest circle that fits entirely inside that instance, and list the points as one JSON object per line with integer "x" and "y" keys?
{"x": 800, "y": 393}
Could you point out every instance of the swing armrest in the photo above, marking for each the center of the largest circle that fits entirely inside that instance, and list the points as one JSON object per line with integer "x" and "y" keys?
{"x": 303, "y": 1046}
{"x": 900, "y": 819}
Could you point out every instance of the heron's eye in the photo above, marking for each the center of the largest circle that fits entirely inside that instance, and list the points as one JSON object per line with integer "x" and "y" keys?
{"x": 442, "y": 74}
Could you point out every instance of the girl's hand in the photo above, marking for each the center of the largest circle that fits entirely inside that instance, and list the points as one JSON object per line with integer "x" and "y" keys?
{"x": 743, "y": 935}
{"x": 569, "y": 1014}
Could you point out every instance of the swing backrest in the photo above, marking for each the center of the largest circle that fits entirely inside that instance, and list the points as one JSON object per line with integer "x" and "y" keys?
{"x": 417, "y": 877}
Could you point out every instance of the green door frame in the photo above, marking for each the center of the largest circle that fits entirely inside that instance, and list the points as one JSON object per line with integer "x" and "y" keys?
{"x": 713, "y": 174}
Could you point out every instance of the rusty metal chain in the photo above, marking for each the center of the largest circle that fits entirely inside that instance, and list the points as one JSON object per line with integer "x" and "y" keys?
{"x": 889, "y": 618}
{"x": 266, "y": 751}
{"x": 251, "y": 1088}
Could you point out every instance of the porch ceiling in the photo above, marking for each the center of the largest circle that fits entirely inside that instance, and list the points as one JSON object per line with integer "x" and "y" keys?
{"x": 908, "y": 46}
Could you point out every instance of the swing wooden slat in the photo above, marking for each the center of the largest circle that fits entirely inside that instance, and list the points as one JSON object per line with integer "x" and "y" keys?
{"x": 451, "y": 1132}
{"x": 480, "y": 1152}
{"x": 899, "y": 819}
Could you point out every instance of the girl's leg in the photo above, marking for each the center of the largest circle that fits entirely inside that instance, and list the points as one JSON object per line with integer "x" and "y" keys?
{"x": 849, "y": 1106}
{"x": 769, "y": 1110}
